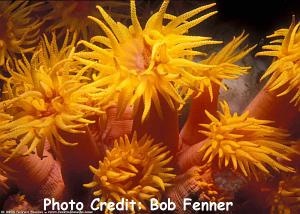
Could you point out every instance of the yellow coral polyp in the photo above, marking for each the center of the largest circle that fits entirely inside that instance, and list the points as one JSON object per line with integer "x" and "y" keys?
{"x": 18, "y": 31}
{"x": 224, "y": 67}
{"x": 48, "y": 95}
{"x": 141, "y": 64}
{"x": 245, "y": 143}
{"x": 134, "y": 169}
{"x": 284, "y": 72}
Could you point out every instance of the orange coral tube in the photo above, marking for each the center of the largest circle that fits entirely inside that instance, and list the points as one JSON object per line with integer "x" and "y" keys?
{"x": 36, "y": 178}
{"x": 75, "y": 162}
{"x": 267, "y": 106}
{"x": 190, "y": 157}
{"x": 189, "y": 133}
{"x": 157, "y": 127}
{"x": 114, "y": 126}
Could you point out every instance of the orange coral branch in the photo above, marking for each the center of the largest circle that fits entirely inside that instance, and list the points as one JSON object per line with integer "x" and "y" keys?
{"x": 189, "y": 133}
{"x": 267, "y": 106}
{"x": 75, "y": 162}
{"x": 36, "y": 178}
{"x": 163, "y": 129}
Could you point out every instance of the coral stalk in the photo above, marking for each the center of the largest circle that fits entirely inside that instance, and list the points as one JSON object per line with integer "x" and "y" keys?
{"x": 189, "y": 156}
{"x": 35, "y": 177}
{"x": 112, "y": 126}
{"x": 75, "y": 162}
{"x": 266, "y": 105}
{"x": 189, "y": 133}
{"x": 159, "y": 126}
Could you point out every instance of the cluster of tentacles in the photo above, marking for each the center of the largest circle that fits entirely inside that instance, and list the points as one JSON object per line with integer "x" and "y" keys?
{"x": 91, "y": 100}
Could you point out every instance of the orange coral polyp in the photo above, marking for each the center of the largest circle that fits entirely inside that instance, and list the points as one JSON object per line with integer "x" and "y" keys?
{"x": 134, "y": 169}
{"x": 142, "y": 63}
{"x": 48, "y": 95}
{"x": 245, "y": 143}
{"x": 284, "y": 72}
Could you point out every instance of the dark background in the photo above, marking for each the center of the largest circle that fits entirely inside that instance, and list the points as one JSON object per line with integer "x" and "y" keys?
{"x": 259, "y": 15}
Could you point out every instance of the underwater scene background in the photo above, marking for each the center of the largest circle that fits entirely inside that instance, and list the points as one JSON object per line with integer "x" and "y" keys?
{"x": 143, "y": 99}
